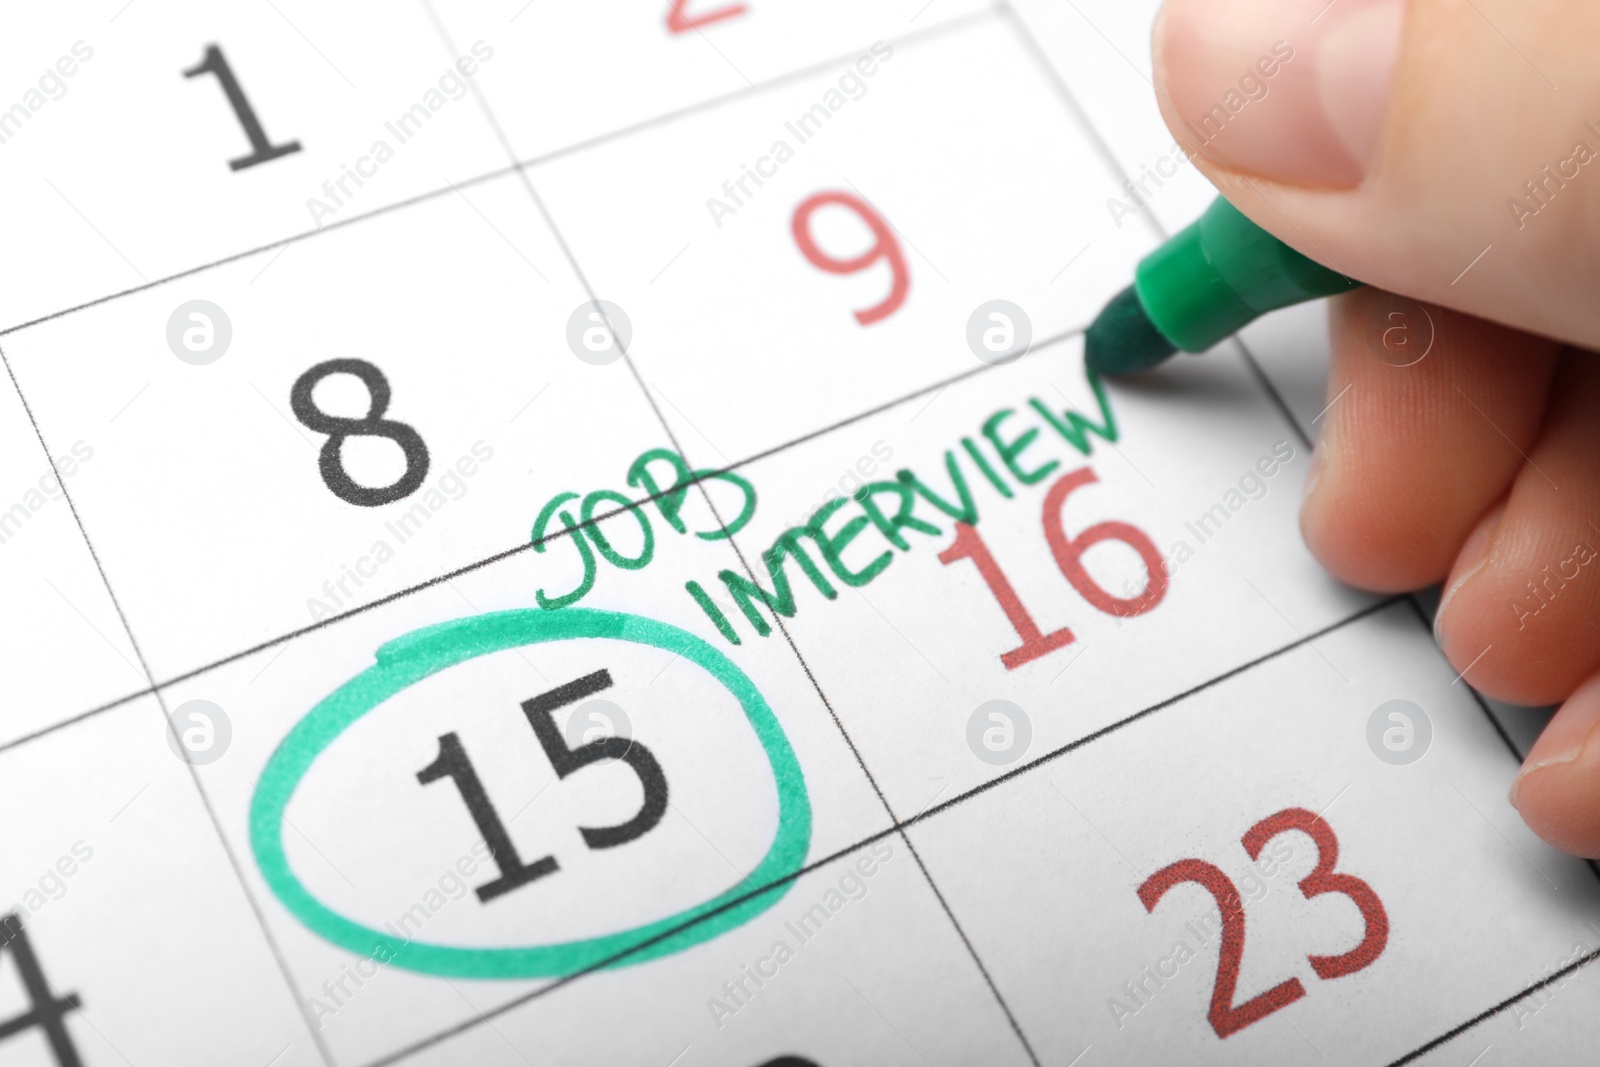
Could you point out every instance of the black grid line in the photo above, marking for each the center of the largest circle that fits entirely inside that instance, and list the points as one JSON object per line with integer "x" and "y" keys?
{"x": 744, "y": 562}
{"x": 1485, "y": 1016}
{"x": 898, "y": 827}
{"x": 194, "y": 775}
{"x": 983, "y": 970}
{"x": 1106, "y": 731}
{"x": 666, "y": 118}
{"x": 1270, "y": 389}
{"x": 1109, "y": 158}
{"x": 933, "y": 812}
{"x": 533, "y": 543}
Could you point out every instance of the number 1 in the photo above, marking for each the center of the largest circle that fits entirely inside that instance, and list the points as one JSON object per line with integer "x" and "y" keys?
{"x": 262, "y": 149}
{"x": 453, "y": 763}
{"x": 1035, "y": 643}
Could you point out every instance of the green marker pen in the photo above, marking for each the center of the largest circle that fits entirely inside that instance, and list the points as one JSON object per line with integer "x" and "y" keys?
{"x": 1206, "y": 283}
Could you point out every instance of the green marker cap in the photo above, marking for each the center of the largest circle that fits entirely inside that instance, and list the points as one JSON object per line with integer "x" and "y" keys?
{"x": 1220, "y": 274}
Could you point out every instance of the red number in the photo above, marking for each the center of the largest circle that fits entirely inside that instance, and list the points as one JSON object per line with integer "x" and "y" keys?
{"x": 679, "y": 22}
{"x": 1069, "y": 551}
{"x": 1323, "y": 879}
{"x": 885, "y": 247}
{"x": 1225, "y": 1018}
{"x": 969, "y": 545}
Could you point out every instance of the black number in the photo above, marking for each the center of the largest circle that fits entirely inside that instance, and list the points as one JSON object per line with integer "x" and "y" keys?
{"x": 262, "y": 149}
{"x": 566, "y": 760}
{"x": 454, "y": 764}
{"x": 331, "y": 459}
{"x": 47, "y": 1009}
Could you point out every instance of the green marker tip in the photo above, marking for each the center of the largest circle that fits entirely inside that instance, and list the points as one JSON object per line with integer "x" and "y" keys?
{"x": 1123, "y": 340}
{"x": 1205, "y": 284}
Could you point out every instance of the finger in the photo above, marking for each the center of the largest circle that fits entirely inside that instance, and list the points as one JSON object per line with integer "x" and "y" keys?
{"x": 1418, "y": 145}
{"x": 1558, "y": 789}
{"x": 1521, "y": 611}
{"x": 1429, "y": 413}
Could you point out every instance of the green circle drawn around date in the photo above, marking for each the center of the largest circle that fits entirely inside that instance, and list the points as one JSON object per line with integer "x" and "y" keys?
{"x": 409, "y": 659}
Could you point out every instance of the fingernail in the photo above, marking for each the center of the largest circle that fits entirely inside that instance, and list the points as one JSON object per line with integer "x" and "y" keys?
{"x": 1563, "y": 741}
{"x": 1288, "y": 90}
{"x": 1530, "y": 768}
{"x": 1474, "y": 554}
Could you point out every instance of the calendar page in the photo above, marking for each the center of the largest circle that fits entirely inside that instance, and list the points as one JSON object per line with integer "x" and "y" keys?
{"x": 560, "y": 533}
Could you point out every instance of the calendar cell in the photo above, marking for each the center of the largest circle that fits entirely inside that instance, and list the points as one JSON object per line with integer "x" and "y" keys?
{"x": 167, "y": 136}
{"x": 581, "y": 533}
{"x": 661, "y": 57}
{"x": 54, "y": 597}
{"x": 128, "y": 951}
{"x": 1257, "y": 883}
{"x": 815, "y": 252}
{"x": 459, "y": 789}
{"x": 383, "y": 414}
{"x": 1553, "y": 1023}
{"x": 1100, "y": 51}
{"x": 753, "y": 997}
{"x": 1028, "y": 536}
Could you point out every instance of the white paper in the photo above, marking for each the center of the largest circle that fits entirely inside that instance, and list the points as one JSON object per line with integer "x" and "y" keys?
{"x": 1039, "y": 643}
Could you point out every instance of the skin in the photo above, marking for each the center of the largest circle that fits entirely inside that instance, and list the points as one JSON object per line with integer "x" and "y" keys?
{"x": 1390, "y": 148}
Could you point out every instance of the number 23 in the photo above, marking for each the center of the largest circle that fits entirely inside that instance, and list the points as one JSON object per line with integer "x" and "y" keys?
{"x": 1226, "y": 1018}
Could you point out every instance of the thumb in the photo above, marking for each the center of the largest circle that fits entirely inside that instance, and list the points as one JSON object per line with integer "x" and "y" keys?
{"x": 1448, "y": 150}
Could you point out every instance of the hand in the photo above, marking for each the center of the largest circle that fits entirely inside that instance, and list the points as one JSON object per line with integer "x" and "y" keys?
{"x": 1449, "y": 151}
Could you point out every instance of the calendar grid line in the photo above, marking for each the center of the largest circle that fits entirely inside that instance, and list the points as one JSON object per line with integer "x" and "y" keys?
{"x": 872, "y": 779}
{"x": 666, "y": 426}
{"x": 1254, "y": 367}
{"x": 234, "y": 257}
{"x": 1153, "y": 224}
{"x": 1075, "y": 109}
{"x": 1488, "y": 713}
{"x": 1485, "y": 1016}
{"x": 972, "y": 950}
{"x": 485, "y": 1015}
{"x": 898, "y": 827}
{"x": 519, "y": 548}
{"x": 913, "y": 37}
{"x": 970, "y": 794}
{"x": 1162, "y": 705}
{"x": 1276, "y": 398}
{"x": 901, "y": 826}
{"x": 526, "y": 172}
{"x": 522, "y": 164}
{"x": 267, "y": 935}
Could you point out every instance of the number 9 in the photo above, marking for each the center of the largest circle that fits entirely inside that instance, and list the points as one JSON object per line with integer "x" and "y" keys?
{"x": 885, "y": 247}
